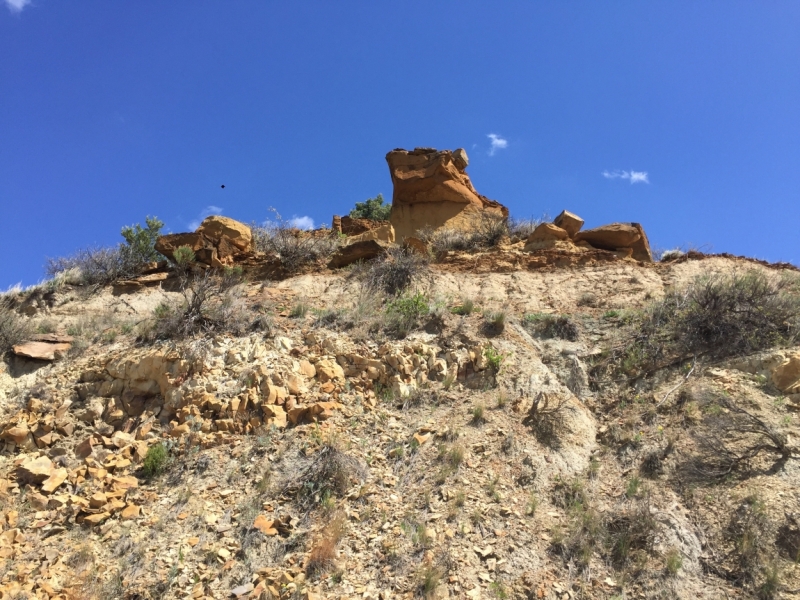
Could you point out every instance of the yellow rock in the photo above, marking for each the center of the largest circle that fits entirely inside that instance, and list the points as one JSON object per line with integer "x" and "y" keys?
{"x": 57, "y": 477}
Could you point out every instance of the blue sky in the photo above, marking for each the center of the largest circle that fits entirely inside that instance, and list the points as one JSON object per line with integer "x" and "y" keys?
{"x": 680, "y": 115}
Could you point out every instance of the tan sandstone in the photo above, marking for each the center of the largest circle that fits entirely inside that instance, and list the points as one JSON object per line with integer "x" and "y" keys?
{"x": 432, "y": 189}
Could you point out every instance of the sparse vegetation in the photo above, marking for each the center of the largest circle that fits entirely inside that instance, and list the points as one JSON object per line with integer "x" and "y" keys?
{"x": 322, "y": 556}
{"x": 212, "y": 302}
{"x": 394, "y": 272}
{"x": 713, "y": 317}
{"x": 486, "y": 231}
{"x": 102, "y": 266}
{"x": 296, "y": 249}
{"x": 14, "y": 328}
{"x": 465, "y": 308}
{"x": 404, "y": 313}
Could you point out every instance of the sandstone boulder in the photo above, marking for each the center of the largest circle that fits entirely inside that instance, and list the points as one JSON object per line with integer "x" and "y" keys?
{"x": 218, "y": 228}
{"x": 42, "y": 350}
{"x": 610, "y": 237}
{"x": 217, "y": 242}
{"x": 351, "y": 253}
{"x": 167, "y": 244}
{"x": 383, "y": 233}
{"x": 619, "y": 236}
{"x": 431, "y": 189}
{"x": 569, "y": 222}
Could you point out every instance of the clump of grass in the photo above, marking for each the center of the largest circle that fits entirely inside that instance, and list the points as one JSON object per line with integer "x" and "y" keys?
{"x": 552, "y": 326}
{"x": 466, "y": 307}
{"x": 478, "y": 417}
{"x": 587, "y": 299}
{"x": 532, "y": 504}
{"x": 496, "y": 321}
{"x": 430, "y": 576}
{"x": 634, "y": 483}
{"x": 155, "y": 461}
{"x": 673, "y": 561}
{"x": 331, "y": 472}
{"x": 453, "y": 455}
{"x": 299, "y": 310}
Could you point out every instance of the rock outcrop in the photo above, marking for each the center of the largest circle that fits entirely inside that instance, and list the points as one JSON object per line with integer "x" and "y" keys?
{"x": 219, "y": 241}
{"x": 617, "y": 236}
{"x": 432, "y": 189}
{"x": 47, "y": 347}
{"x": 625, "y": 240}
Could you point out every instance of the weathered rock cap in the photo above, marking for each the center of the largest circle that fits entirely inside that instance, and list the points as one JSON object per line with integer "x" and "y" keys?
{"x": 217, "y": 227}
{"x": 617, "y": 236}
{"x": 569, "y": 222}
{"x": 431, "y": 189}
{"x": 217, "y": 242}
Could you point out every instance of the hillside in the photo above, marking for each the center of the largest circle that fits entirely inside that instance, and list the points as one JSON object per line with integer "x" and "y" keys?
{"x": 413, "y": 468}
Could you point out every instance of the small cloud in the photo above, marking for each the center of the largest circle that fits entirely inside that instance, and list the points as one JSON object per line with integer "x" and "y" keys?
{"x": 301, "y": 222}
{"x": 16, "y": 6}
{"x": 632, "y": 176}
{"x": 206, "y": 212}
{"x": 498, "y": 143}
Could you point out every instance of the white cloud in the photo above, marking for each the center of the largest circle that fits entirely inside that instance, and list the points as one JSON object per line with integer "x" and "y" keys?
{"x": 16, "y": 6}
{"x": 632, "y": 176}
{"x": 498, "y": 143}
{"x": 301, "y": 222}
{"x": 206, "y": 212}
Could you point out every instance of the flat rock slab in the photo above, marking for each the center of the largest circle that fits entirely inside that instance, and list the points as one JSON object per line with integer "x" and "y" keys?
{"x": 42, "y": 350}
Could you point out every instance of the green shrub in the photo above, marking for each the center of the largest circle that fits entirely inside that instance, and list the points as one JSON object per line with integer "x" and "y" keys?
{"x": 155, "y": 461}
{"x": 373, "y": 209}
{"x": 404, "y": 313}
{"x": 183, "y": 255}
{"x": 494, "y": 358}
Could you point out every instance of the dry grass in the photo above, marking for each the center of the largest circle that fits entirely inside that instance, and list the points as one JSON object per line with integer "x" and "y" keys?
{"x": 485, "y": 231}
{"x": 14, "y": 328}
{"x": 322, "y": 556}
{"x": 297, "y": 249}
{"x": 212, "y": 303}
{"x": 393, "y": 273}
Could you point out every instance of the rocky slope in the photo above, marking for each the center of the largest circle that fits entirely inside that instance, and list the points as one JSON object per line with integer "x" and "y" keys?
{"x": 475, "y": 458}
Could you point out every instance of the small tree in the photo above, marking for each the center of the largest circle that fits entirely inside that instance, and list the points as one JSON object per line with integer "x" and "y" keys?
{"x": 141, "y": 241}
{"x": 373, "y": 209}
